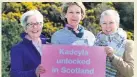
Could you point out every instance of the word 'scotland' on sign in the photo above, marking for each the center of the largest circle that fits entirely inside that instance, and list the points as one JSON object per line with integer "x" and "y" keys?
{"x": 73, "y": 61}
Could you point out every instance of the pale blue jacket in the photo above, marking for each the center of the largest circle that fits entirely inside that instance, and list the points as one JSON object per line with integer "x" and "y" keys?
{"x": 67, "y": 37}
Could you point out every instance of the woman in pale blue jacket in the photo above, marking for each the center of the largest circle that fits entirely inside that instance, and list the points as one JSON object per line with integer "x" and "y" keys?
{"x": 73, "y": 33}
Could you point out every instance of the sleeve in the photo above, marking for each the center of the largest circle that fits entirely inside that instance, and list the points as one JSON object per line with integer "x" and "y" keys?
{"x": 93, "y": 39}
{"x": 17, "y": 64}
{"x": 54, "y": 39}
{"x": 125, "y": 65}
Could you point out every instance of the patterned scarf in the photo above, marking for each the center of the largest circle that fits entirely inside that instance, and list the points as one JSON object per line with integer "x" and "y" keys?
{"x": 117, "y": 41}
{"x": 80, "y": 29}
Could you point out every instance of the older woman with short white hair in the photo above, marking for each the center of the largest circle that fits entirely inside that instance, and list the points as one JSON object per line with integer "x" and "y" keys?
{"x": 119, "y": 50}
{"x": 26, "y": 55}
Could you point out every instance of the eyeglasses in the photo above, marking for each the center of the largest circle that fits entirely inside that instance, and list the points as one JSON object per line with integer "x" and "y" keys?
{"x": 33, "y": 24}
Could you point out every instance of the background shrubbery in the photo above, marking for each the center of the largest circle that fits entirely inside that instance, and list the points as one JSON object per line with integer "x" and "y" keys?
{"x": 12, "y": 11}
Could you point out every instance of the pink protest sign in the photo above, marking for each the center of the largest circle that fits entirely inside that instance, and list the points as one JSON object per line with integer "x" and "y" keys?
{"x": 73, "y": 61}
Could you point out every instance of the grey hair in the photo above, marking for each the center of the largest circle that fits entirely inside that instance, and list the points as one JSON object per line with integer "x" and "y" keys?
{"x": 27, "y": 14}
{"x": 67, "y": 4}
{"x": 110, "y": 13}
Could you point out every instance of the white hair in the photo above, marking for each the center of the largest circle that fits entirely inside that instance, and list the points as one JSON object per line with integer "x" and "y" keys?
{"x": 27, "y": 14}
{"x": 110, "y": 13}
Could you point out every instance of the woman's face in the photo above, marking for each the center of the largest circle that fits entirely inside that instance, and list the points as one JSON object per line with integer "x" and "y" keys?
{"x": 34, "y": 26}
{"x": 109, "y": 25}
{"x": 73, "y": 15}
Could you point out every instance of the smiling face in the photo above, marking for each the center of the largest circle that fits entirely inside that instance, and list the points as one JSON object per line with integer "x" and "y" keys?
{"x": 34, "y": 27}
{"x": 73, "y": 15}
{"x": 109, "y": 24}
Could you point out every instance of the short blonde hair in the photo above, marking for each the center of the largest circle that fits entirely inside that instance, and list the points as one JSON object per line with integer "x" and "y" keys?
{"x": 110, "y": 13}
{"x": 67, "y": 4}
{"x": 27, "y": 14}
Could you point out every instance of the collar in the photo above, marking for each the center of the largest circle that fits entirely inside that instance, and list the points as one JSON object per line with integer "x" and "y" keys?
{"x": 42, "y": 37}
{"x": 80, "y": 29}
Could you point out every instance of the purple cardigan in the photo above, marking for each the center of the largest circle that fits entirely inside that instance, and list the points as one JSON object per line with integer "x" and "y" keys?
{"x": 25, "y": 58}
